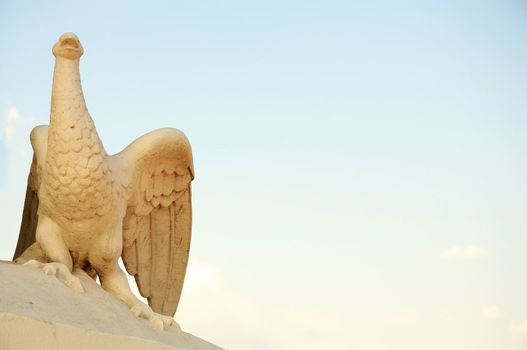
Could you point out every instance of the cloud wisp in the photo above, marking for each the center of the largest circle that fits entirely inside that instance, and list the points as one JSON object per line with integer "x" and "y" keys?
{"x": 12, "y": 117}
{"x": 520, "y": 328}
{"x": 492, "y": 313}
{"x": 467, "y": 253}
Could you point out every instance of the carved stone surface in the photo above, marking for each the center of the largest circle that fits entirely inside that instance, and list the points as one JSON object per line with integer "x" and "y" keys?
{"x": 52, "y": 317}
{"x": 85, "y": 209}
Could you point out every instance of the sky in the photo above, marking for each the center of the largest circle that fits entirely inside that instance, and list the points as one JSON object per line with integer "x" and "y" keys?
{"x": 361, "y": 174}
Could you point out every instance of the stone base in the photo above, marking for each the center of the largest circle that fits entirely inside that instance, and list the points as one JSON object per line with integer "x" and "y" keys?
{"x": 41, "y": 312}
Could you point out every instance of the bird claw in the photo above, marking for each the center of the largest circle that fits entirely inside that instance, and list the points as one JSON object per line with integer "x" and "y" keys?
{"x": 157, "y": 321}
{"x": 50, "y": 270}
{"x": 60, "y": 271}
{"x": 75, "y": 283}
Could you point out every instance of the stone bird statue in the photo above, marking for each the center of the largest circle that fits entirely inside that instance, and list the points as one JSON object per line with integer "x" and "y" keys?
{"x": 85, "y": 209}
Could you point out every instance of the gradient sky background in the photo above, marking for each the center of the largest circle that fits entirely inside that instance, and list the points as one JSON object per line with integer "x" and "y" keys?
{"x": 361, "y": 174}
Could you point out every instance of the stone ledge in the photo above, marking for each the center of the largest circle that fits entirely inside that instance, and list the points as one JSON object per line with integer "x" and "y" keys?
{"x": 40, "y": 312}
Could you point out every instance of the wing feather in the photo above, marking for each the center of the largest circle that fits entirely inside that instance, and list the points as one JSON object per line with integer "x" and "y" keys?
{"x": 160, "y": 268}
{"x": 129, "y": 236}
{"x": 28, "y": 227}
{"x": 157, "y": 170}
{"x": 181, "y": 215}
{"x": 143, "y": 248}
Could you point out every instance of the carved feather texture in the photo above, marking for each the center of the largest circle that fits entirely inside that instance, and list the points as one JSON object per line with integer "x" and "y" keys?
{"x": 157, "y": 225}
{"x": 155, "y": 172}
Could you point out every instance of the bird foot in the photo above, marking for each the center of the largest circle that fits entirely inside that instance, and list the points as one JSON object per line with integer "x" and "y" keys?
{"x": 158, "y": 321}
{"x": 60, "y": 271}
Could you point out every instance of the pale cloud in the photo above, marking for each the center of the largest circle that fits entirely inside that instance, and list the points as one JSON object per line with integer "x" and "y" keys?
{"x": 467, "y": 253}
{"x": 12, "y": 114}
{"x": 492, "y": 313}
{"x": 8, "y": 132}
{"x": 520, "y": 328}
{"x": 11, "y": 118}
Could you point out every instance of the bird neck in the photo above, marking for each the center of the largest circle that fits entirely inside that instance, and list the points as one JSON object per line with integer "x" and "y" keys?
{"x": 67, "y": 98}
{"x": 70, "y": 119}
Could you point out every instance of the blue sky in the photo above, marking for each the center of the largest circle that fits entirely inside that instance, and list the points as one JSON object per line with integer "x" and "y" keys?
{"x": 360, "y": 166}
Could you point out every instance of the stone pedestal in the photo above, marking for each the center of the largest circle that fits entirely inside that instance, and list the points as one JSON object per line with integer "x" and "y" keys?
{"x": 40, "y": 312}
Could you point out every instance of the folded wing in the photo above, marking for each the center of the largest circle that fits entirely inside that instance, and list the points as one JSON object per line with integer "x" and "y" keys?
{"x": 26, "y": 237}
{"x": 157, "y": 170}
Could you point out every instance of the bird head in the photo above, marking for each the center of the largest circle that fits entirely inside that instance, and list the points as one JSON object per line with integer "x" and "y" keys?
{"x": 68, "y": 46}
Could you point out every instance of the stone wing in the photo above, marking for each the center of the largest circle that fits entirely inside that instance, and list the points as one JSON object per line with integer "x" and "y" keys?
{"x": 26, "y": 237}
{"x": 157, "y": 170}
